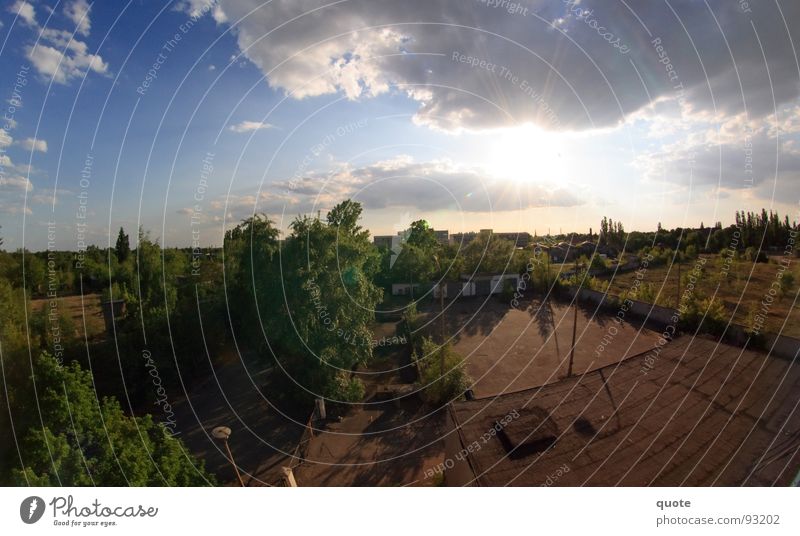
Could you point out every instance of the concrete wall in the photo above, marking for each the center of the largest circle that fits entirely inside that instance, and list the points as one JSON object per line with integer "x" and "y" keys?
{"x": 457, "y": 470}
{"x": 662, "y": 315}
{"x": 782, "y": 346}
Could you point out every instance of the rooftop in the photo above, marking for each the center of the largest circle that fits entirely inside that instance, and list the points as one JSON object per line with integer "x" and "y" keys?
{"x": 705, "y": 414}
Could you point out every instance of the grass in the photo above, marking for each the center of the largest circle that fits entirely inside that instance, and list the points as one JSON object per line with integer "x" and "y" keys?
{"x": 741, "y": 290}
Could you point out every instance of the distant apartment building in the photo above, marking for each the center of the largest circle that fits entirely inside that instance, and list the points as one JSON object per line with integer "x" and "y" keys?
{"x": 463, "y": 238}
{"x": 521, "y": 239}
{"x": 443, "y": 237}
{"x": 382, "y": 241}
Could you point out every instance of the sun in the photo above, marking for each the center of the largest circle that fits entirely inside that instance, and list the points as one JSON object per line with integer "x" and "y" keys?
{"x": 526, "y": 154}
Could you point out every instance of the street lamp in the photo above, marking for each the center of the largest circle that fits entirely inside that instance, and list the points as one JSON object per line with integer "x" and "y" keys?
{"x": 223, "y": 433}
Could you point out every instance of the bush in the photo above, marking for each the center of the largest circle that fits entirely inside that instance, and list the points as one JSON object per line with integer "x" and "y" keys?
{"x": 349, "y": 389}
{"x": 707, "y": 314}
{"x": 786, "y": 283}
{"x": 438, "y": 389}
{"x": 755, "y": 255}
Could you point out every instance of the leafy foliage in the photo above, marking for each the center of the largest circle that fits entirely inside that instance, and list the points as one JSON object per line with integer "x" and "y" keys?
{"x": 315, "y": 296}
{"x": 442, "y": 375}
{"x": 84, "y": 441}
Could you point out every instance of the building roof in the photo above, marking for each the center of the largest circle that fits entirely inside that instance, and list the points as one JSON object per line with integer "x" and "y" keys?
{"x": 706, "y": 413}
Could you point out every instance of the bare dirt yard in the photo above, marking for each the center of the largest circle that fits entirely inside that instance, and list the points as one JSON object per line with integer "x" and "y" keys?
{"x": 390, "y": 439}
{"x": 80, "y": 310}
{"x": 511, "y": 349}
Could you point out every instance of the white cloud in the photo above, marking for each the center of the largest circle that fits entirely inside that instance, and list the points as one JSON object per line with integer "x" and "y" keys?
{"x": 32, "y": 144}
{"x": 734, "y": 155}
{"x": 23, "y": 10}
{"x": 58, "y": 54}
{"x": 363, "y": 48}
{"x": 73, "y": 62}
{"x": 218, "y": 15}
{"x": 15, "y": 183}
{"x": 78, "y": 12}
{"x": 402, "y": 183}
{"x": 19, "y": 209}
{"x": 198, "y": 8}
{"x": 249, "y": 126}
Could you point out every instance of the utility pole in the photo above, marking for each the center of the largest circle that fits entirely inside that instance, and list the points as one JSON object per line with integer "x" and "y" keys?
{"x": 574, "y": 321}
{"x": 678, "y": 297}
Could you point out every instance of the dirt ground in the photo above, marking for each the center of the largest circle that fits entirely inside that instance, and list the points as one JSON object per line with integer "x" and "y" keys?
{"x": 389, "y": 440}
{"x": 78, "y": 309}
{"x": 740, "y": 291}
{"x": 238, "y": 396}
{"x": 508, "y": 349}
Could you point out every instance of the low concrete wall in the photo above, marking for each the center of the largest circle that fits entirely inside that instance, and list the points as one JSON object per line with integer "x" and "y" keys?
{"x": 662, "y": 315}
{"x": 782, "y": 346}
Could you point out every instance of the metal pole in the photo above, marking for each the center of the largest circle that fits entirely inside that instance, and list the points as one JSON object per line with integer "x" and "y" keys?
{"x": 574, "y": 322}
{"x": 230, "y": 457}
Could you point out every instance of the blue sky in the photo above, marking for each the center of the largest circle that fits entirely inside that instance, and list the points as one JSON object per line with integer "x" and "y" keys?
{"x": 537, "y": 116}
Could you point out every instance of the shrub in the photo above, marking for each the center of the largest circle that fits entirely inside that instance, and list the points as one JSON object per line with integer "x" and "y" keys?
{"x": 753, "y": 254}
{"x": 786, "y": 282}
{"x": 349, "y": 389}
{"x": 436, "y": 388}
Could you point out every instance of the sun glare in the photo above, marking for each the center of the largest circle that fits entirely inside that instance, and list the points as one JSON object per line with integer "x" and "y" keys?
{"x": 526, "y": 154}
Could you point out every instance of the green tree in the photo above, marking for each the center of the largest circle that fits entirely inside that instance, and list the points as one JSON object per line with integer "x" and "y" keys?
{"x": 319, "y": 300}
{"x": 35, "y": 273}
{"x": 442, "y": 377}
{"x": 83, "y": 440}
{"x": 123, "y": 248}
{"x": 416, "y": 260}
{"x": 488, "y": 253}
{"x": 252, "y": 278}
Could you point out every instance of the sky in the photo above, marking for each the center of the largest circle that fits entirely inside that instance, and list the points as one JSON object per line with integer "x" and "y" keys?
{"x": 185, "y": 117}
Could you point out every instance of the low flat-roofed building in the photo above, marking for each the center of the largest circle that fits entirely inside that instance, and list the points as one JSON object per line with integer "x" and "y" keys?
{"x": 488, "y": 284}
{"x": 697, "y": 413}
{"x": 406, "y": 289}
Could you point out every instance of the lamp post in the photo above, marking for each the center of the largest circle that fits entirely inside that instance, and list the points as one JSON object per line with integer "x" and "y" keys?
{"x": 223, "y": 433}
